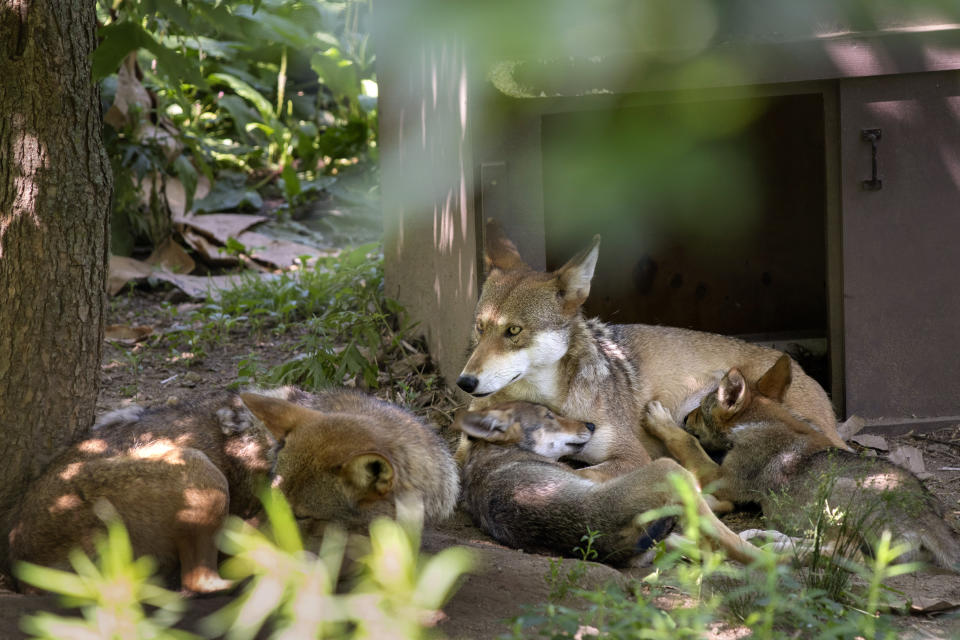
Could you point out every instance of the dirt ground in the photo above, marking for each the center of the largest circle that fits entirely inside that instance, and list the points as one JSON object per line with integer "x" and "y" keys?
{"x": 151, "y": 371}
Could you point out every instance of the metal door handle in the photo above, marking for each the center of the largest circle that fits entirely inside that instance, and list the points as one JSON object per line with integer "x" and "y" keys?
{"x": 873, "y": 137}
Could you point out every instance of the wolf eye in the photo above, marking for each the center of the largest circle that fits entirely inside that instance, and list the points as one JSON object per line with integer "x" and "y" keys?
{"x": 479, "y": 328}
{"x": 513, "y": 330}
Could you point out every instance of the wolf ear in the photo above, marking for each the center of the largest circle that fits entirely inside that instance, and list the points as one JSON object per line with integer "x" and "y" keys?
{"x": 370, "y": 474}
{"x": 499, "y": 250}
{"x": 732, "y": 393}
{"x": 279, "y": 416}
{"x": 573, "y": 278}
{"x": 491, "y": 425}
{"x": 775, "y": 381}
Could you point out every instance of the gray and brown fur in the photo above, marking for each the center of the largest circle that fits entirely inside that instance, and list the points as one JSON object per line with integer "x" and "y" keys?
{"x": 774, "y": 459}
{"x": 517, "y": 492}
{"x": 606, "y": 374}
{"x": 175, "y": 472}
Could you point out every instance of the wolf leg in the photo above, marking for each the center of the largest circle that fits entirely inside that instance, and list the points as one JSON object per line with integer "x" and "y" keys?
{"x": 198, "y": 564}
{"x": 203, "y": 508}
{"x": 682, "y": 446}
{"x": 718, "y": 534}
{"x": 613, "y": 468}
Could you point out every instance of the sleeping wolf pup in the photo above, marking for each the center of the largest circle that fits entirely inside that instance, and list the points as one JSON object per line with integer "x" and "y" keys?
{"x": 773, "y": 458}
{"x": 174, "y": 473}
{"x": 517, "y": 491}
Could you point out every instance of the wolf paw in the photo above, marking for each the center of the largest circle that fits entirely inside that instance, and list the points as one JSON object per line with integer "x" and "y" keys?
{"x": 772, "y": 540}
{"x": 659, "y": 420}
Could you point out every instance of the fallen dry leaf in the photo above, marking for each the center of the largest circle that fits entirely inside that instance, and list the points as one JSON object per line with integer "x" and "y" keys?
{"x": 850, "y": 427}
{"x": 909, "y": 458}
{"x": 209, "y": 251}
{"x": 933, "y": 605}
{"x": 172, "y": 257}
{"x": 279, "y": 253}
{"x": 199, "y": 230}
{"x": 125, "y": 334}
{"x": 123, "y": 270}
{"x": 130, "y": 96}
{"x": 220, "y": 226}
{"x": 177, "y": 195}
{"x": 873, "y": 442}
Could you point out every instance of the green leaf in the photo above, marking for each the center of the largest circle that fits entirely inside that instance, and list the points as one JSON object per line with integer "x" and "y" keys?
{"x": 55, "y": 580}
{"x": 173, "y": 10}
{"x": 247, "y": 92}
{"x": 224, "y": 196}
{"x": 291, "y": 184}
{"x": 121, "y": 38}
{"x": 339, "y": 74}
{"x": 282, "y": 523}
{"x": 118, "y": 40}
{"x": 241, "y": 114}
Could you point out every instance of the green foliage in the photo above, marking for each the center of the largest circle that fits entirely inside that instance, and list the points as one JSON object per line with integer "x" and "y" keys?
{"x": 111, "y": 593}
{"x": 282, "y": 92}
{"x": 562, "y": 582}
{"x": 767, "y": 596}
{"x": 291, "y": 592}
{"x": 836, "y": 532}
{"x": 348, "y": 331}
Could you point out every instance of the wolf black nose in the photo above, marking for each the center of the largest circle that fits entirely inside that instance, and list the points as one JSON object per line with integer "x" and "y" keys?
{"x": 590, "y": 426}
{"x": 468, "y": 383}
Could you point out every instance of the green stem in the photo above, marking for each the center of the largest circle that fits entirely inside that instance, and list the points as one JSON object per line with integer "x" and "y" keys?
{"x": 281, "y": 82}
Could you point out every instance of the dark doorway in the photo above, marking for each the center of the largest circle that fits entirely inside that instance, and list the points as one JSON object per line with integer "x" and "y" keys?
{"x": 713, "y": 216}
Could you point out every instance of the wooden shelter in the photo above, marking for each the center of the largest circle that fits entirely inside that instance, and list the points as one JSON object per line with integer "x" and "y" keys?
{"x": 831, "y": 231}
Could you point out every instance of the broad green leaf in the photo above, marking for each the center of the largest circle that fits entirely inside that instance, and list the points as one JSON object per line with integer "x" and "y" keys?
{"x": 121, "y": 38}
{"x": 439, "y": 577}
{"x": 245, "y": 91}
{"x": 117, "y": 40}
{"x": 291, "y": 184}
{"x": 285, "y": 31}
{"x": 55, "y": 580}
{"x": 175, "y": 11}
{"x": 241, "y": 114}
{"x": 282, "y": 523}
{"x": 339, "y": 74}
{"x": 228, "y": 194}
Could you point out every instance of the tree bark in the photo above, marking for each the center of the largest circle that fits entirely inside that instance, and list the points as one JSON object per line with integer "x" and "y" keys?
{"x": 55, "y": 189}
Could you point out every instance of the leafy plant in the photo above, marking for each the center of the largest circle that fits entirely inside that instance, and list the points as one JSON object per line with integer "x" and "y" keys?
{"x": 291, "y": 592}
{"x": 767, "y": 597}
{"x": 562, "y": 582}
{"x": 293, "y": 589}
{"x": 111, "y": 593}
{"x": 282, "y": 92}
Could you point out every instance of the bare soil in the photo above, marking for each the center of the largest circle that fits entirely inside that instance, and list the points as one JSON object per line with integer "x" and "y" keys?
{"x": 151, "y": 371}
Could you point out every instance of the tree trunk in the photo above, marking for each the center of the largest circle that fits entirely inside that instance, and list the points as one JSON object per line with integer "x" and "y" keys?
{"x": 55, "y": 187}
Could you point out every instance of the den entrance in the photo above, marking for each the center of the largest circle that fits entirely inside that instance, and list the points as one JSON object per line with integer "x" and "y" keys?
{"x": 713, "y": 216}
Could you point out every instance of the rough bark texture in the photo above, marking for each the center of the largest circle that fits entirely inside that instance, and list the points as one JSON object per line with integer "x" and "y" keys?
{"x": 55, "y": 187}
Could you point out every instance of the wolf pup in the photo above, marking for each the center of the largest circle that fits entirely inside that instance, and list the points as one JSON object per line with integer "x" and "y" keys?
{"x": 174, "y": 473}
{"x": 531, "y": 342}
{"x": 518, "y": 493}
{"x": 775, "y": 459}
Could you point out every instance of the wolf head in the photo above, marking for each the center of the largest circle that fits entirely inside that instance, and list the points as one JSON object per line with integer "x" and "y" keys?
{"x": 736, "y": 403}
{"x": 523, "y": 318}
{"x": 331, "y": 467}
{"x": 528, "y": 426}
